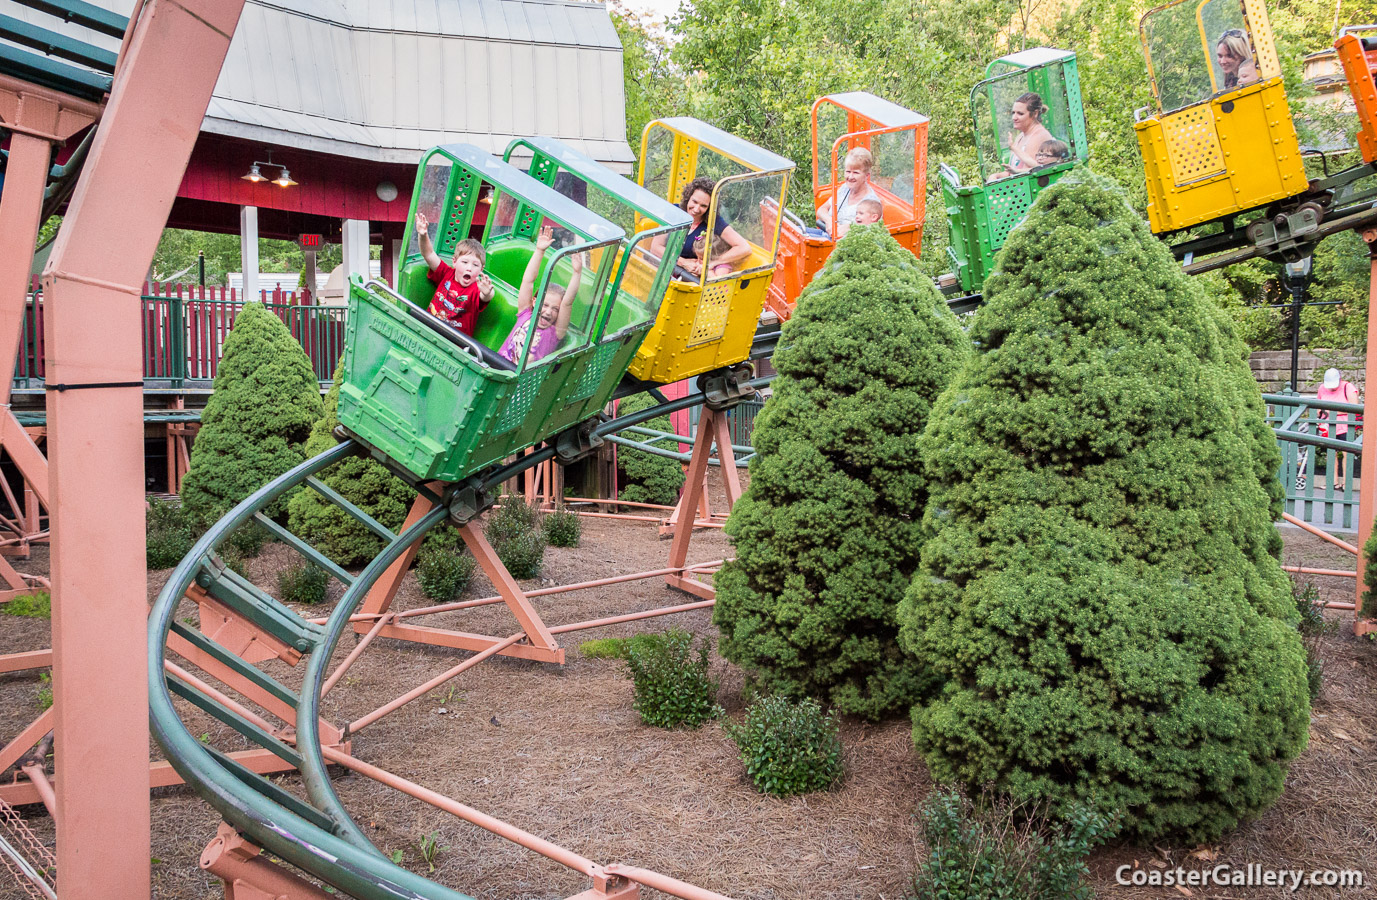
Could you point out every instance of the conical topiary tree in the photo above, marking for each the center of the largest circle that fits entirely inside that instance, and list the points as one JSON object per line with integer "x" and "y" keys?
{"x": 827, "y": 534}
{"x": 266, "y": 399}
{"x": 1097, "y": 592}
{"x": 648, "y": 478}
{"x": 362, "y": 481}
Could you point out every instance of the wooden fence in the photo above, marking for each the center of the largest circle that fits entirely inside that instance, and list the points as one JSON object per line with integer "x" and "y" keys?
{"x": 185, "y": 326}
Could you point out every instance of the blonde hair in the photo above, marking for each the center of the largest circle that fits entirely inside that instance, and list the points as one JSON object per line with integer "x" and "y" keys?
{"x": 1236, "y": 42}
{"x": 859, "y": 157}
{"x": 470, "y": 247}
{"x": 871, "y": 205}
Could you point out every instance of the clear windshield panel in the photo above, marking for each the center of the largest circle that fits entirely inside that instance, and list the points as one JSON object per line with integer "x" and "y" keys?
{"x": 895, "y": 164}
{"x": 749, "y": 206}
{"x": 658, "y": 160}
{"x": 642, "y": 286}
{"x": 1233, "y": 60}
{"x": 832, "y": 124}
{"x": 1186, "y": 64}
{"x": 431, "y": 201}
{"x": 1046, "y": 137}
{"x": 558, "y": 286}
{"x": 499, "y": 210}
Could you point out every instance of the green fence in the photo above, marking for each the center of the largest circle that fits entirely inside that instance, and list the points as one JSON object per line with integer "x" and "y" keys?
{"x": 184, "y": 336}
{"x": 1313, "y": 453}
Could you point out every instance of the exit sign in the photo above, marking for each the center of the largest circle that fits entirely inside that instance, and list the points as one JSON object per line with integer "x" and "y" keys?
{"x": 309, "y": 241}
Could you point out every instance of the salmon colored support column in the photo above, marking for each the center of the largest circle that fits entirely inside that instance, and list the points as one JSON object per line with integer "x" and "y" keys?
{"x": 1367, "y": 485}
{"x": 172, "y": 57}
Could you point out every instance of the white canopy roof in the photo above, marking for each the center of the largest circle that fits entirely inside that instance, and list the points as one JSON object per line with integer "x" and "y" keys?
{"x": 388, "y": 80}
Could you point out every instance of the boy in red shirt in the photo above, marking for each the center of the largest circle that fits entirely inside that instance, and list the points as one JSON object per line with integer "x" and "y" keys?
{"x": 462, "y": 291}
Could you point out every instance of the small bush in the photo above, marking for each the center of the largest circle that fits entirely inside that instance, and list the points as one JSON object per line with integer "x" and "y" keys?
{"x": 513, "y": 529}
{"x": 170, "y": 534}
{"x": 38, "y": 605}
{"x": 303, "y": 583}
{"x": 248, "y": 539}
{"x": 1002, "y": 851}
{"x": 233, "y": 559}
{"x": 615, "y": 648}
{"x": 1313, "y": 625}
{"x": 444, "y": 566}
{"x": 45, "y": 690}
{"x": 562, "y": 528}
{"x": 789, "y": 747}
{"x": 672, "y": 687}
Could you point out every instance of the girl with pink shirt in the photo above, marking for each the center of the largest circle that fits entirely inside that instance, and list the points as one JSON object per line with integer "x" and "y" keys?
{"x": 555, "y": 308}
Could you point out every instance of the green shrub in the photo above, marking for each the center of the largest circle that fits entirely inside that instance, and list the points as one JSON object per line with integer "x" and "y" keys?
{"x": 233, "y": 559}
{"x": 1098, "y": 593}
{"x": 248, "y": 539}
{"x": 615, "y": 648}
{"x": 444, "y": 566}
{"x": 170, "y": 534}
{"x": 45, "y": 690}
{"x": 304, "y": 582}
{"x": 789, "y": 747}
{"x": 513, "y": 529}
{"x": 827, "y": 535}
{"x": 1313, "y": 625}
{"x": 362, "y": 481}
{"x": 1369, "y": 605}
{"x": 562, "y": 528}
{"x": 38, "y": 605}
{"x": 671, "y": 683}
{"x": 645, "y": 477}
{"x": 1002, "y": 853}
{"x": 265, "y": 400}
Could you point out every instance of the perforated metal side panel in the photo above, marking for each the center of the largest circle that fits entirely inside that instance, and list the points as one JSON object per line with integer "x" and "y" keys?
{"x": 1008, "y": 205}
{"x": 592, "y": 376}
{"x": 1192, "y": 144}
{"x": 527, "y": 387}
{"x": 711, "y": 320}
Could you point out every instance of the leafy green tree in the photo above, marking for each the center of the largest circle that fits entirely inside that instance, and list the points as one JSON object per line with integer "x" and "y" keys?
{"x": 1098, "y": 593}
{"x": 265, "y": 401}
{"x": 827, "y": 535}
{"x": 362, "y": 481}
{"x": 176, "y": 256}
{"x": 646, "y": 477}
{"x": 655, "y": 87}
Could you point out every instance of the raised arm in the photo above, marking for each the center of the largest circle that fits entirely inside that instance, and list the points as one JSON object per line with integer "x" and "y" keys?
{"x": 423, "y": 238}
{"x": 566, "y": 303}
{"x": 525, "y": 298}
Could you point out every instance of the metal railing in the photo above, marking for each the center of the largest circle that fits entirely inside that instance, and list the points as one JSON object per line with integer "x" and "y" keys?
{"x": 1313, "y": 453}
{"x": 184, "y": 336}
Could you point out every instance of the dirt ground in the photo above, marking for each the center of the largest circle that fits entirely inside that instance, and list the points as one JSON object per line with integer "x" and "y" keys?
{"x": 560, "y": 752}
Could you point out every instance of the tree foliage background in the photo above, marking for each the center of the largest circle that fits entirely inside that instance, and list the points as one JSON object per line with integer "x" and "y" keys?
{"x": 754, "y": 67}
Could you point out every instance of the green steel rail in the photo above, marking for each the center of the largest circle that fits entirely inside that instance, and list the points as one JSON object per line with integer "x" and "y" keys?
{"x": 315, "y": 834}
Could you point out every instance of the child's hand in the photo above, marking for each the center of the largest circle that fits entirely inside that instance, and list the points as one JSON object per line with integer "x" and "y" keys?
{"x": 546, "y": 238}
{"x": 422, "y": 223}
{"x": 485, "y": 285}
{"x": 577, "y": 263}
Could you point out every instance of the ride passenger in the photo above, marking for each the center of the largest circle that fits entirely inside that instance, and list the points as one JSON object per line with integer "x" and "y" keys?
{"x": 869, "y": 211}
{"x": 1028, "y": 134}
{"x": 462, "y": 291}
{"x": 857, "y": 188}
{"x": 1052, "y": 152}
{"x": 696, "y": 200}
{"x": 1235, "y": 59}
{"x": 555, "y": 308}
{"x": 719, "y": 248}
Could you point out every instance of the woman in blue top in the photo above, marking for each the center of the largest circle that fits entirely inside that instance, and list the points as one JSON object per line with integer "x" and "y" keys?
{"x": 696, "y": 201}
